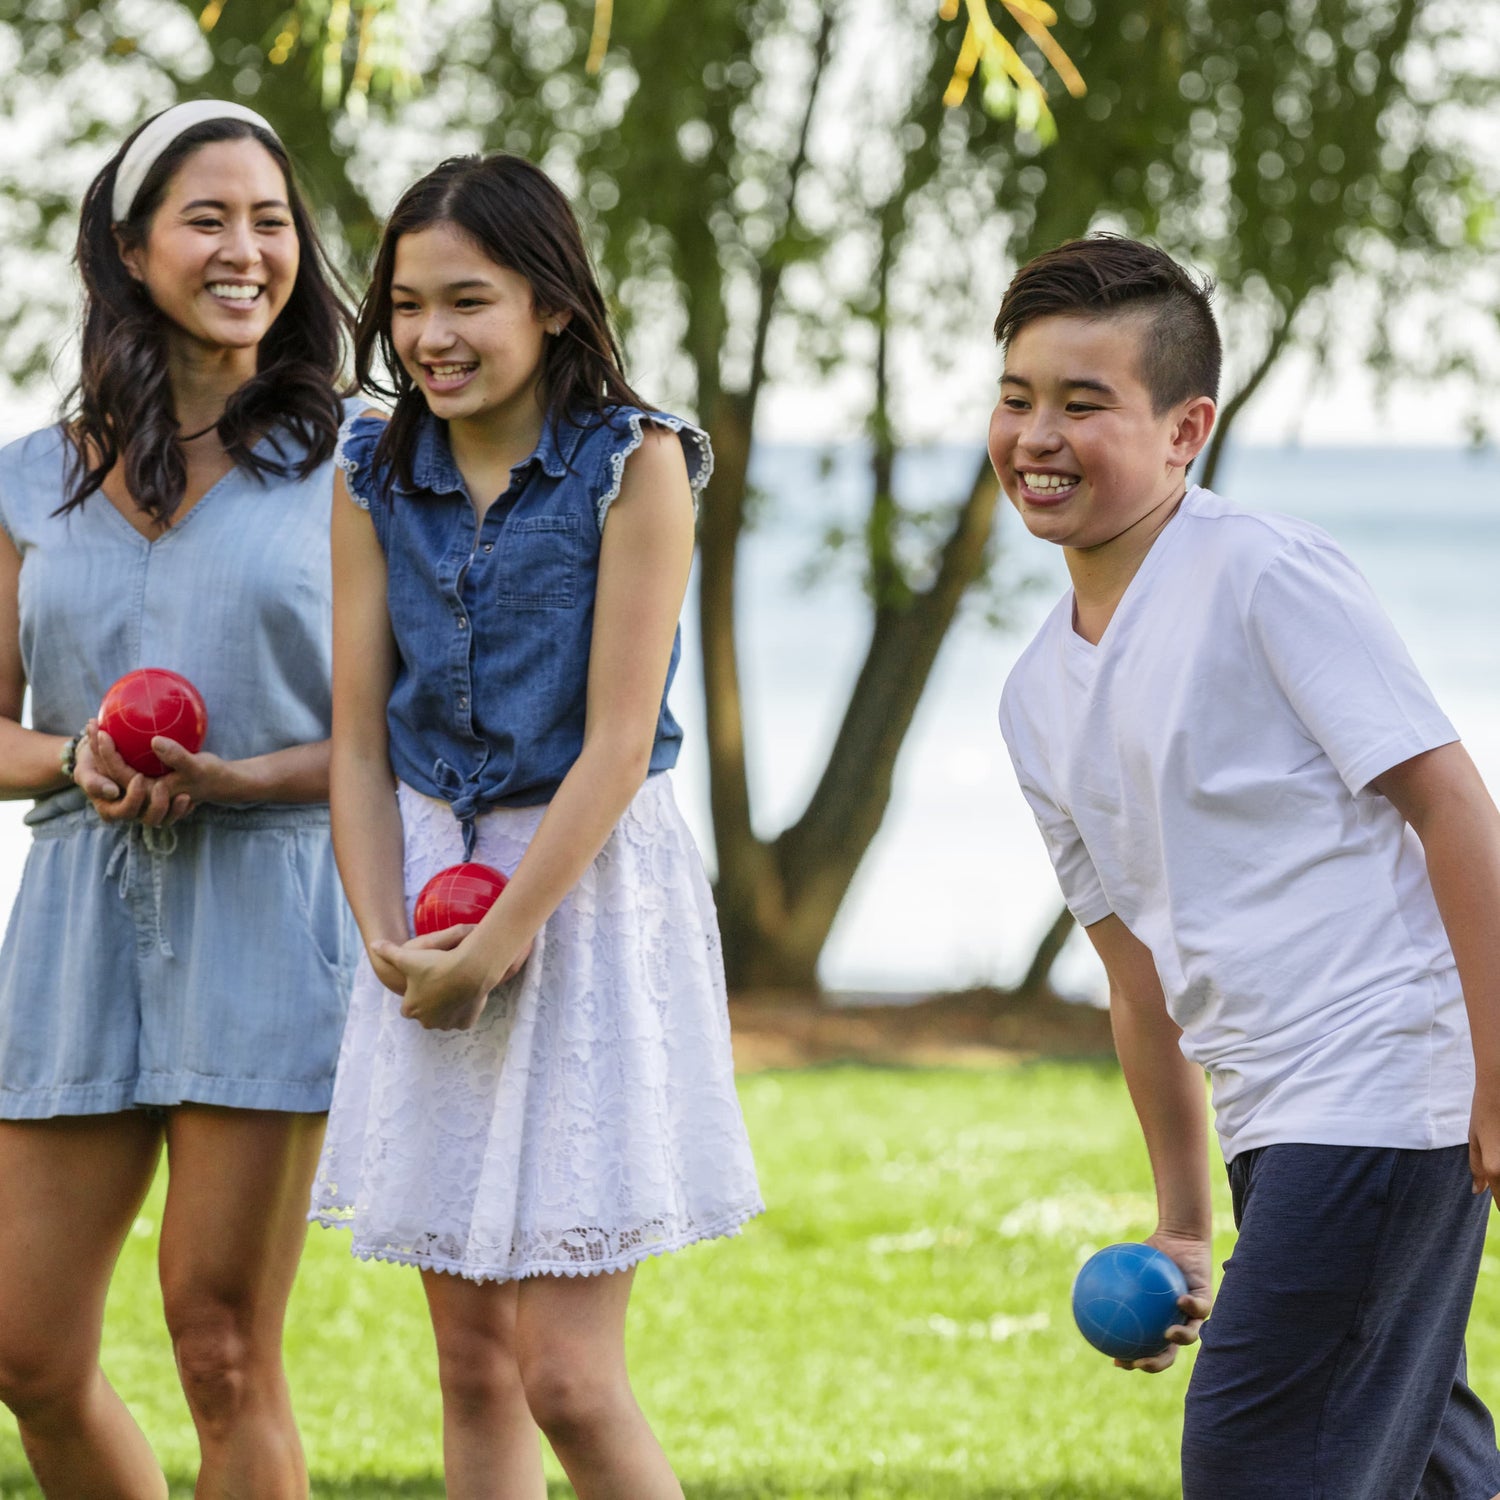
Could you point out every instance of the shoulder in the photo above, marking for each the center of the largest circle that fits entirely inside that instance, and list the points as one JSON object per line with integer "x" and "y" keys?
{"x": 361, "y": 431}
{"x": 1216, "y": 526}
{"x": 46, "y": 448}
{"x": 1223, "y": 546}
{"x": 658, "y": 436}
{"x": 33, "y": 469}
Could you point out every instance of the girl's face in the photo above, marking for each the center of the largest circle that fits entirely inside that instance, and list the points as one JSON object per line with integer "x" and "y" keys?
{"x": 465, "y": 328}
{"x": 221, "y": 254}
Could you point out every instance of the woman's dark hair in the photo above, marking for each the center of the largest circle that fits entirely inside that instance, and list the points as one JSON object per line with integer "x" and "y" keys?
{"x": 518, "y": 217}
{"x": 1108, "y": 276}
{"x": 121, "y": 407}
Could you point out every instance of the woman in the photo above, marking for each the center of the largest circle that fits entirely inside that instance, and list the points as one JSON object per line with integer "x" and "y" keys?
{"x": 176, "y": 965}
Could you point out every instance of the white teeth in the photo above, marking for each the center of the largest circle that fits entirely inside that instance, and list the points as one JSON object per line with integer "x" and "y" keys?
{"x": 449, "y": 372}
{"x": 234, "y": 291}
{"x": 1041, "y": 482}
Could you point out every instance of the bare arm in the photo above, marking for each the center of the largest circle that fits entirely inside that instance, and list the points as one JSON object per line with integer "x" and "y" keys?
{"x": 1168, "y": 1094}
{"x": 1440, "y": 793}
{"x": 367, "y": 838}
{"x": 29, "y": 764}
{"x": 644, "y": 560}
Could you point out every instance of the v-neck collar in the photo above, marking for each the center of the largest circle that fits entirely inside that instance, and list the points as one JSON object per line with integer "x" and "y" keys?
{"x": 1149, "y": 563}
{"x": 192, "y": 510}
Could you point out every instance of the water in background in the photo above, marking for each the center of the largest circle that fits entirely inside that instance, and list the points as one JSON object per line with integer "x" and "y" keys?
{"x": 957, "y": 889}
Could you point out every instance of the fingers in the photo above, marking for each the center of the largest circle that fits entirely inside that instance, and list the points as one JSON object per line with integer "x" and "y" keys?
{"x": 452, "y": 1018}
{"x": 158, "y": 806}
{"x": 1197, "y": 1308}
{"x": 1476, "y": 1165}
{"x": 95, "y": 787}
{"x": 447, "y": 938}
{"x": 106, "y": 757}
{"x": 172, "y": 755}
{"x": 127, "y": 805}
{"x": 390, "y": 954}
{"x": 1153, "y": 1366}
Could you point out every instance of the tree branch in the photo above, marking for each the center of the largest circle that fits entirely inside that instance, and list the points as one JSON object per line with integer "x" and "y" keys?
{"x": 1236, "y": 403}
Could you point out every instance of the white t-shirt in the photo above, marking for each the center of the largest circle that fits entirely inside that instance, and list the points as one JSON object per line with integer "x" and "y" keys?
{"x": 1203, "y": 773}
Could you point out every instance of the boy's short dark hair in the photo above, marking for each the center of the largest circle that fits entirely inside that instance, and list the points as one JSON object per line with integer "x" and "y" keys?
{"x": 1108, "y": 275}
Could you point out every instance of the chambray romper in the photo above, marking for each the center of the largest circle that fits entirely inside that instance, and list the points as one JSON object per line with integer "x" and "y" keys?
{"x": 209, "y": 962}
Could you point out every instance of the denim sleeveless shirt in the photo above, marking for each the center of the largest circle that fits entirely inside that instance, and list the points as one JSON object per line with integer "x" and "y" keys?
{"x": 492, "y": 624}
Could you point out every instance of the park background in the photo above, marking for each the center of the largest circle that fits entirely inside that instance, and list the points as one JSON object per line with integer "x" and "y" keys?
{"x": 807, "y": 234}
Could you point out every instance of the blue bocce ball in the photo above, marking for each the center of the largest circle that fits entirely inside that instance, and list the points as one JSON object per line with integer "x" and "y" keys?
{"x": 1125, "y": 1299}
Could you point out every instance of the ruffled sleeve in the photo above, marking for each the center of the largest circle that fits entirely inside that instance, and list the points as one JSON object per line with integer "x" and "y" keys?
{"x": 355, "y": 455}
{"x": 695, "y": 448}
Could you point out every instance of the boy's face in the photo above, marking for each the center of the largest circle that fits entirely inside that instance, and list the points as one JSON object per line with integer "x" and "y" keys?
{"x": 1074, "y": 440}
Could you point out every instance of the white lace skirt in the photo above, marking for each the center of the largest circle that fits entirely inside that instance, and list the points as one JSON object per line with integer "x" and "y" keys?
{"x": 589, "y": 1119}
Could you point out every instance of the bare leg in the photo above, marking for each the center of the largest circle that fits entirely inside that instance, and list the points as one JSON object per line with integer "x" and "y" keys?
{"x": 232, "y": 1235}
{"x": 69, "y": 1191}
{"x": 571, "y": 1340}
{"x": 491, "y": 1448}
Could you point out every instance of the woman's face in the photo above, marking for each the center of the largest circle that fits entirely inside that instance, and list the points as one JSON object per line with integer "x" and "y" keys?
{"x": 221, "y": 254}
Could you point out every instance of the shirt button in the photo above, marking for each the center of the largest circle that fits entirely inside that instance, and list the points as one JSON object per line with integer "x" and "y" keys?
{"x": 463, "y": 624}
{"x": 489, "y": 546}
{"x": 463, "y": 702}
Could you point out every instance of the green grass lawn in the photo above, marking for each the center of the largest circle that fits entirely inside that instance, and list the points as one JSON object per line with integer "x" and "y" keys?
{"x": 897, "y": 1325}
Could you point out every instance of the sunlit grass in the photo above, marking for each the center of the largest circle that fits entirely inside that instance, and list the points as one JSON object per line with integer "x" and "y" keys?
{"x": 897, "y": 1326}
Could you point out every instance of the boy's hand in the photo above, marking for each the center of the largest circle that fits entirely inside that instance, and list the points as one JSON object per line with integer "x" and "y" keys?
{"x": 1484, "y": 1139}
{"x": 1195, "y": 1257}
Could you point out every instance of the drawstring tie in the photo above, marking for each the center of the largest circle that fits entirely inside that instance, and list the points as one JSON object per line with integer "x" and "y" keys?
{"x": 466, "y": 809}
{"x": 157, "y": 843}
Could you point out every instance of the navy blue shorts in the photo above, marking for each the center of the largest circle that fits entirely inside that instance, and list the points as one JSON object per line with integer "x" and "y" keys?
{"x": 1333, "y": 1365}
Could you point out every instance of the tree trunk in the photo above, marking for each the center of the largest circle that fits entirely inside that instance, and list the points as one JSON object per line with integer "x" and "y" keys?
{"x": 1038, "y": 974}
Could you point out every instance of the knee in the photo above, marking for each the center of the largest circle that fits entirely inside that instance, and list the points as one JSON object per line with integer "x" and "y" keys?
{"x": 34, "y": 1374}
{"x": 213, "y": 1350}
{"x": 569, "y": 1400}
{"x": 477, "y": 1374}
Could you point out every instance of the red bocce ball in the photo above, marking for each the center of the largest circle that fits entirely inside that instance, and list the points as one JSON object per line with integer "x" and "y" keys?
{"x": 148, "y": 702}
{"x": 459, "y": 894}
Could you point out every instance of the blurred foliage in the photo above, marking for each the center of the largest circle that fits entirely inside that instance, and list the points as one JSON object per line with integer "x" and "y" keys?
{"x": 777, "y": 193}
{"x": 1286, "y": 147}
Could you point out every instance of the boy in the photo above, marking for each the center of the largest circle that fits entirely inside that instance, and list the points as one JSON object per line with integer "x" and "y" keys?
{"x": 1287, "y": 863}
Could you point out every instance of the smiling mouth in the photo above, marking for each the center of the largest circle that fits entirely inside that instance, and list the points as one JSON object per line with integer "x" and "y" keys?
{"x": 1046, "y": 488}
{"x": 449, "y": 376}
{"x": 241, "y": 293}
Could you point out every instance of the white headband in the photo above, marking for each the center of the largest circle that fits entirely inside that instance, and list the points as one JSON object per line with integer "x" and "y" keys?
{"x": 160, "y": 133}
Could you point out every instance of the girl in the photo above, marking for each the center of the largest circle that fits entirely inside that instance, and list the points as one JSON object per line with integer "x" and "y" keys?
{"x": 506, "y": 592}
{"x": 176, "y": 964}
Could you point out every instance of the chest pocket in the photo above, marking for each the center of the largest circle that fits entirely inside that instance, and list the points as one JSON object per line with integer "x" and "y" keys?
{"x": 541, "y": 558}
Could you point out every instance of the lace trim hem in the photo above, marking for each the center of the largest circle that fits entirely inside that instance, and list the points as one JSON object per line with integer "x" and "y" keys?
{"x": 726, "y": 1228}
{"x": 698, "y": 474}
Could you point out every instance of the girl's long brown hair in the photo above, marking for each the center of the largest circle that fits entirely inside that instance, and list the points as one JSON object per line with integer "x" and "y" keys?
{"x": 518, "y": 217}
